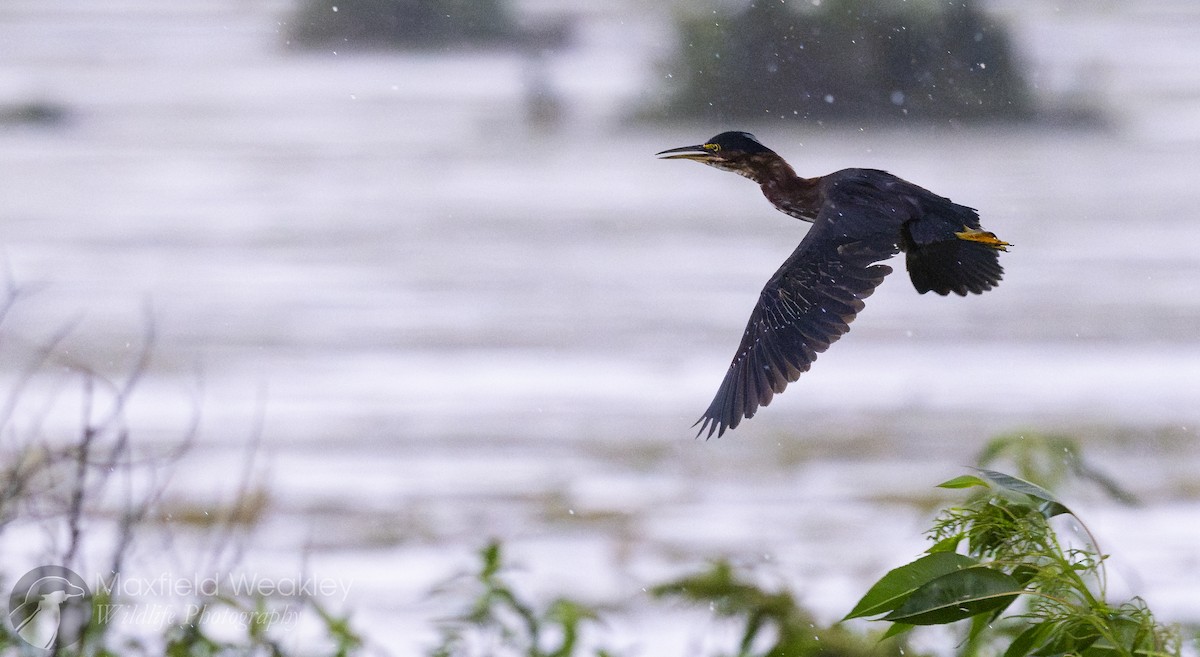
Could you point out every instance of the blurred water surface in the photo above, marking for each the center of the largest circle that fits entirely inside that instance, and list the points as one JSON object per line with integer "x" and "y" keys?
{"x": 459, "y": 324}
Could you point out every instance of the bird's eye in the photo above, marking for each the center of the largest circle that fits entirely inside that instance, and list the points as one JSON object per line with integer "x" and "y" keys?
{"x": 712, "y": 147}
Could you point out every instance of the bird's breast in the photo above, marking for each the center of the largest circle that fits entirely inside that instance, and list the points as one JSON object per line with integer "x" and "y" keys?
{"x": 798, "y": 211}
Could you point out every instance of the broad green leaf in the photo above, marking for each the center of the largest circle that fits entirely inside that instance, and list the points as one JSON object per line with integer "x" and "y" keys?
{"x": 957, "y": 595}
{"x": 1027, "y": 641}
{"x": 948, "y": 544}
{"x": 894, "y": 587}
{"x": 1053, "y": 506}
{"x": 896, "y": 629}
{"x": 965, "y": 481}
{"x": 1021, "y": 575}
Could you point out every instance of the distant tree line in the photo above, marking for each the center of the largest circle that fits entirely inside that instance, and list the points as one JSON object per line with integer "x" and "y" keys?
{"x": 847, "y": 59}
{"x": 374, "y": 24}
{"x": 881, "y": 60}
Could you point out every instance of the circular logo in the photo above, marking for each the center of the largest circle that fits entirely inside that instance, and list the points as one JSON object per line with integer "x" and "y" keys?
{"x": 49, "y": 607}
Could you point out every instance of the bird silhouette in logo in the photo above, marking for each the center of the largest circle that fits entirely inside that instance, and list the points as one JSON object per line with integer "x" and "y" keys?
{"x": 37, "y": 619}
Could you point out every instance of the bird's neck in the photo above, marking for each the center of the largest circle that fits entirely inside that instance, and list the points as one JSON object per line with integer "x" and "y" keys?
{"x": 790, "y": 194}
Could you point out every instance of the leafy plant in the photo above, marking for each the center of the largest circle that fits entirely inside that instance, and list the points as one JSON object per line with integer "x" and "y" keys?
{"x": 257, "y": 617}
{"x": 1000, "y": 547}
{"x": 82, "y": 489}
{"x": 770, "y": 617}
{"x": 499, "y": 621}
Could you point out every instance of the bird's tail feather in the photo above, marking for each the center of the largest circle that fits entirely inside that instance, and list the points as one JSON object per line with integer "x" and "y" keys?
{"x": 959, "y": 265}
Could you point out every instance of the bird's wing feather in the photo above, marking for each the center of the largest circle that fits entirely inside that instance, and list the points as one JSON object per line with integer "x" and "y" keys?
{"x": 806, "y": 306}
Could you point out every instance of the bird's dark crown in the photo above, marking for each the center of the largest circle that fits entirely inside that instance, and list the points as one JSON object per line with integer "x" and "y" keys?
{"x": 735, "y": 142}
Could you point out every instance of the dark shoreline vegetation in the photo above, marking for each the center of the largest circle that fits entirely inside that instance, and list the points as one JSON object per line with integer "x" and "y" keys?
{"x": 848, "y": 60}
{"x": 836, "y": 60}
{"x": 1010, "y": 580}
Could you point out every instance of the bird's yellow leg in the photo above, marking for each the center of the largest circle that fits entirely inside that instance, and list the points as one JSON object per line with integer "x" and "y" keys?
{"x": 983, "y": 237}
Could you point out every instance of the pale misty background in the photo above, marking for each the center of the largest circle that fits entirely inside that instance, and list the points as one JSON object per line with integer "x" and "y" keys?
{"x": 459, "y": 319}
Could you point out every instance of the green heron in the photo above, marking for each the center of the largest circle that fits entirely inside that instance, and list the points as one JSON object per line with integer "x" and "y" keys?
{"x": 859, "y": 217}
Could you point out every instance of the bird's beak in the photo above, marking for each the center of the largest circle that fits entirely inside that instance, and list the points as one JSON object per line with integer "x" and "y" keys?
{"x": 698, "y": 153}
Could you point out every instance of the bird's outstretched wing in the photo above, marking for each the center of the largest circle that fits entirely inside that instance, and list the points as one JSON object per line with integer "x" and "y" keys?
{"x": 806, "y": 306}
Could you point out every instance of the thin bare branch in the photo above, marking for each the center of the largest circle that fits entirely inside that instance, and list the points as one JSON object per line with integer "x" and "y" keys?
{"x": 36, "y": 363}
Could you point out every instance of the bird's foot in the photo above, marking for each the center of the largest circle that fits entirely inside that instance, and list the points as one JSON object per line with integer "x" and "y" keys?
{"x": 983, "y": 237}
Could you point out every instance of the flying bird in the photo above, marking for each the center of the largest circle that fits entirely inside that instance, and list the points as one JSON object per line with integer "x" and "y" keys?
{"x": 859, "y": 218}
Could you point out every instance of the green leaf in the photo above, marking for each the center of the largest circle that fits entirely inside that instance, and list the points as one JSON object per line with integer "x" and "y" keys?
{"x": 895, "y": 587}
{"x": 1102, "y": 648}
{"x": 1053, "y": 506}
{"x": 896, "y": 629}
{"x": 948, "y": 544}
{"x": 1051, "y": 509}
{"x": 957, "y": 595}
{"x": 1133, "y": 636}
{"x": 965, "y": 481}
{"x": 1024, "y": 572}
{"x": 1072, "y": 637}
{"x": 1030, "y": 639}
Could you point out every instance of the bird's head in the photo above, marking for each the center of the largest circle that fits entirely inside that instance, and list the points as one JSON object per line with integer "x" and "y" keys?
{"x": 734, "y": 151}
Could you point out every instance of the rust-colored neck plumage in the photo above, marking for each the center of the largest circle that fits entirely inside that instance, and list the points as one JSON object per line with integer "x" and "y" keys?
{"x": 795, "y": 196}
